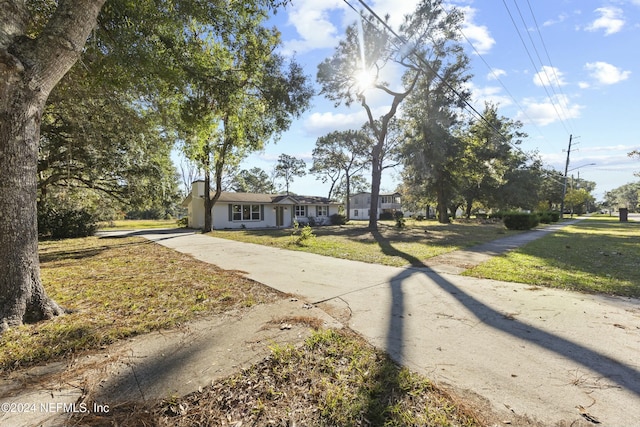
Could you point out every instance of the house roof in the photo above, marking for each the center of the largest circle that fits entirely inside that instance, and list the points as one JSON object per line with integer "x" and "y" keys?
{"x": 245, "y": 197}
{"x": 230, "y": 197}
{"x": 395, "y": 193}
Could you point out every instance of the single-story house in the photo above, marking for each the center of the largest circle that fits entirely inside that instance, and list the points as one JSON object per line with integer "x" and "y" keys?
{"x": 254, "y": 210}
{"x": 360, "y": 204}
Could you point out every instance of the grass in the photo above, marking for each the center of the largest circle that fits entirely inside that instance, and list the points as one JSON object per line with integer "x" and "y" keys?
{"x": 134, "y": 224}
{"x": 334, "y": 379}
{"x": 418, "y": 241}
{"x": 120, "y": 287}
{"x": 597, "y": 255}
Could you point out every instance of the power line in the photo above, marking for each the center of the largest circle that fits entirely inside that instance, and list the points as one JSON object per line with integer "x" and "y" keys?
{"x": 544, "y": 46}
{"x": 420, "y": 59}
{"x": 496, "y": 77}
{"x": 524, "y": 44}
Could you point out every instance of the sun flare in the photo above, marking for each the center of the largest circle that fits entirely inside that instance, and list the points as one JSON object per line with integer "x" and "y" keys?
{"x": 365, "y": 79}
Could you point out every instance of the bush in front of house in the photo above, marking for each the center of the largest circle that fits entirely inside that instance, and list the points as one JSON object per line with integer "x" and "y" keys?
{"x": 520, "y": 220}
{"x": 338, "y": 219}
{"x": 545, "y": 217}
{"x": 497, "y": 215}
{"x": 63, "y": 223}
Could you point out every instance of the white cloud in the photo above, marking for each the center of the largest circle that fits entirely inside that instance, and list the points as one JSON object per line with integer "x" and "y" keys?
{"x": 561, "y": 18}
{"x": 610, "y": 20}
{"x": 319, "y": 24}
{"x": 606, "y": 74}
{"x": 548, "y": 76}
{"x": 491, "y": 94}
{"x": 584, "y": 85}
{"x": 478, "y": 35}
{"x": 322, "y": 123}
{"x": 395, "y": 9}
{"x": 318, "y": 124}
{"x": 496, "y": 73}
{"x": 312, "y": 21}
{"x": 549, "y": 111}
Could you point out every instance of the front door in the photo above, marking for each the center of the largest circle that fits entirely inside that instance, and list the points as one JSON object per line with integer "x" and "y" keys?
{"x": 279, "y": 216}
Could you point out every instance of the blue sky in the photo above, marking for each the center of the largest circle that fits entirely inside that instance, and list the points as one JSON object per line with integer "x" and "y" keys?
{"x": 579, "y": 75}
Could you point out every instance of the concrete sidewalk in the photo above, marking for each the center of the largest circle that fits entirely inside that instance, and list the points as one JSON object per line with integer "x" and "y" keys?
{"x": 531, "y": 352}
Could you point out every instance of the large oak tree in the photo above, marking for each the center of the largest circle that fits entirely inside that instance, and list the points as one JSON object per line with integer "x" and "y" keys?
{"x": 40, "y": 40}
{"x": 30, "y": 67}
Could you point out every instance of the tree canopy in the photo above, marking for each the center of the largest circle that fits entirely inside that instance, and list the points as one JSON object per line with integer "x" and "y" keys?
{"x": 254, "y": 180}
{"x": 338, "y": 157}
{"x": 136, "y": 54}
{"x": 289, "y": 167}
{"x": 356, "y": 68}
{"x": 239, "y": 93}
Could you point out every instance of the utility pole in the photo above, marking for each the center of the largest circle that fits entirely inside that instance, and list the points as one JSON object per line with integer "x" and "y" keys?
{"x": 564, "y": 186}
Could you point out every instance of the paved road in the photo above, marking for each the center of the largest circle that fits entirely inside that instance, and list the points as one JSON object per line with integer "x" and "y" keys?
{"x": 530, "y": 352}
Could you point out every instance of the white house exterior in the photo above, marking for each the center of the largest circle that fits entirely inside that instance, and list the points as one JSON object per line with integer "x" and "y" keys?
{"x": 360, "y": 204}
{"x": 253, "y": 210}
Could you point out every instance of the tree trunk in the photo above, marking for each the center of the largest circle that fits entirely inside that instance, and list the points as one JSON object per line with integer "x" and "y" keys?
{"x": 469, "y": 207}
{"x": 348, "y": 184}
{"x": 376, "y": 177}
{"x": 29, "y": 69}
{"x": 208, "y": 202}
{"x": 443, "y": 215}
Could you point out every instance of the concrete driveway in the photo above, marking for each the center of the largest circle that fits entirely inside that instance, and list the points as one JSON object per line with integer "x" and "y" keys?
{"x": 547, "y": 355}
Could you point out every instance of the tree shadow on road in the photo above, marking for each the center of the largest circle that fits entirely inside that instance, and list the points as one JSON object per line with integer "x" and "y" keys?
{"x": 624, "y": 375}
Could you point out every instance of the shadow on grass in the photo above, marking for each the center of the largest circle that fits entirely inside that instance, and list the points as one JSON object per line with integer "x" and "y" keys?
{"x": 54, "y": 255}
{"x": 595, "y": 256}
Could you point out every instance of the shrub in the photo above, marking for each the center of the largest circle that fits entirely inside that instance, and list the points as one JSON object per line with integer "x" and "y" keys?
{"x": 520, "y": 220}
{"x": 555, "y": 216}
{"x": 497, "y": 215}
{"x": 338, "y": 219}
{"x": 399, "y": 220}
{"x": 65, "y": 223}
{"x": 183, "y": 222}
{"x": 302, "y": 236}
{"x": 420, "y": 218}
{"x": 545, "y": 217}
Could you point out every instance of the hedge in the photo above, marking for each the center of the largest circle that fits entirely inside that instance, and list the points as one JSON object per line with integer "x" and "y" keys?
{"x": 520, "y": 220}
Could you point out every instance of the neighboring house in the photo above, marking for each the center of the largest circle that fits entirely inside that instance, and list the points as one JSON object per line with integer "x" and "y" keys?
{"x": 360, "y": 203}
{"x": 253, "y": 210}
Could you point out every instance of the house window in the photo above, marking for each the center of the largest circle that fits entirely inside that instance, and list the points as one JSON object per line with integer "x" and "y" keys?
{"x": 322, "y": 210}
{"x": 301, "y": 210}
{"x": 355, "y": 212}
{"x": 246, "y": 213}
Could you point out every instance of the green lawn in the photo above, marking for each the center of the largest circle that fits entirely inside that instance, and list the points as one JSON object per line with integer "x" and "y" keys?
{"x": 121, "y": 287}
{"x": 599, "y": 254}
{"x": 418, "y": 241}
{"x": 134, "y": 224}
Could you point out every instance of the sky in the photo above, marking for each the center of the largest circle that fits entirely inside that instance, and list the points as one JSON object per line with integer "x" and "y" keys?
{"x": 564, "y": 68}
